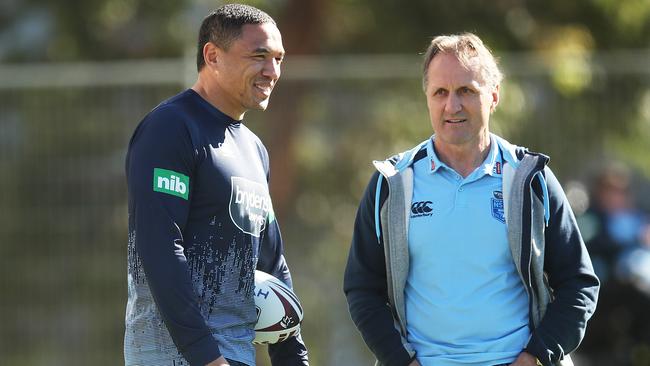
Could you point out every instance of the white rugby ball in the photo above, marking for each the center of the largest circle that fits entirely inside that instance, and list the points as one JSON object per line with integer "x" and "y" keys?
{"x": 278, "y": 310}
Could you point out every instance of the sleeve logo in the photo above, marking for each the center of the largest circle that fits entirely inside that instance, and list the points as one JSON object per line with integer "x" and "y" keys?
{"x": 171, "y": 182}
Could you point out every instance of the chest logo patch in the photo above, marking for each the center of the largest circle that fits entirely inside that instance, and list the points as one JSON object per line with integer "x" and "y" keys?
{"x": 497, "y": 206}
{"x": 250, "y": 205}
{"x": 497, "y": 168}
{"x": 421, "y": 209}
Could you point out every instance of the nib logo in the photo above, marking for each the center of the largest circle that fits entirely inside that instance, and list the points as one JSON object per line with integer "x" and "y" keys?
{"x": 171, "y": 182}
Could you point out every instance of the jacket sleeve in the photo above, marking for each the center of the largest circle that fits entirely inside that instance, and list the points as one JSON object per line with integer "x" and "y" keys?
{"x": 365, "y": 285}
{"x": 157, "y": 219}
{"x": 572, "y": 280}
{"x": 292, "y": 351}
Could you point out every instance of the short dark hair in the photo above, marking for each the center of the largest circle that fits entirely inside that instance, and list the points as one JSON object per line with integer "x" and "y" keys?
{"x": 223, "y": 26}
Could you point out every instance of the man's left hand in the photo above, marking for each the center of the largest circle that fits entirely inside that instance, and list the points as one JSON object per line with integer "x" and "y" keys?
{"x": 525, "y": 359}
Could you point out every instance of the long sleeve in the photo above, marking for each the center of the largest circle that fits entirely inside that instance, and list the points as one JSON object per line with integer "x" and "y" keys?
{"x": 572, "y": 279}
{"x": 160, "y": 179}
{"x": 291, "y": 351}
{"x": 365, "y": 285}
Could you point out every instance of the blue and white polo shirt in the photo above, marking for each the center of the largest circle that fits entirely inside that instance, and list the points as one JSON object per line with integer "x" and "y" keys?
{"x": 465, "y": 302}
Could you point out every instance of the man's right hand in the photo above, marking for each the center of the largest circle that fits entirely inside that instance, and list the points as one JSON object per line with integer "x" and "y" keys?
{"x": 414, "y": 363}
{"x": 221, "y": 361}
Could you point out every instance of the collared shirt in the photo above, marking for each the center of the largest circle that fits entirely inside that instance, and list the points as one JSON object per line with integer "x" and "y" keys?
{"x": 465, "y": 303}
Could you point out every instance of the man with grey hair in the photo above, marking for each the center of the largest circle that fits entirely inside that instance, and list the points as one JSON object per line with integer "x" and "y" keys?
{"x": 465, "y": 250}
{"x": 200, "y": 215}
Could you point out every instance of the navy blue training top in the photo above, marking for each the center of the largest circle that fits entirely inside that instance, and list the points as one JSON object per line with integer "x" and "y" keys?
{"x": 200, "y": 222}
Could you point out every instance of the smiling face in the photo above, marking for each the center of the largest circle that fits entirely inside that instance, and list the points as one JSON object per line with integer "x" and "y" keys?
{"x": 459, "y": 103}
{"x": 247, "y": 72}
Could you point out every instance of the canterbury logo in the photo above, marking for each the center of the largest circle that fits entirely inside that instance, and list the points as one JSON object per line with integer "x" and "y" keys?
{"x": 421, "y": 207}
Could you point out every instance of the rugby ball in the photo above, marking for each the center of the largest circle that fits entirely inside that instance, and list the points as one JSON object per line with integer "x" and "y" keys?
{"x": 278, "y": 310}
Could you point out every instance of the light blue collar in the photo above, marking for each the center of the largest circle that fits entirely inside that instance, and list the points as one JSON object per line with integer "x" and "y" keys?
{"x": 492, "y": 165}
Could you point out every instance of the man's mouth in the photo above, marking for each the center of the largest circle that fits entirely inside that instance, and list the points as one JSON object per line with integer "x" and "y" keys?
{"x": 264, "y": 88}
{"x": 456, "y": 120}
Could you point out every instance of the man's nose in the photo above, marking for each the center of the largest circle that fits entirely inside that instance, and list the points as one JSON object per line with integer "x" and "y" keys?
{"x": 453, "y": 104}
{"x": 272, "y": 69}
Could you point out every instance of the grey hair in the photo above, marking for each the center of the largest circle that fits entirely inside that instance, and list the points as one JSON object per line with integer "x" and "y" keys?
{"x": 470, "y": 51}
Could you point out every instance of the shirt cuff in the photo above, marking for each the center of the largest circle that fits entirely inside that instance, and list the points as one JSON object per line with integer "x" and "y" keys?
{"x": 202, "y": 352}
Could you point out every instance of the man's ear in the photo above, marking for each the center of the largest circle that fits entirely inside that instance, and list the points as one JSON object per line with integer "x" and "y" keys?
{"x": 211, "y": 54}
{"x": 495, "y": 98}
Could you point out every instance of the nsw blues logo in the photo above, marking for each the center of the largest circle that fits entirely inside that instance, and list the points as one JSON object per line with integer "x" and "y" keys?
{"x": 497, "y": 206}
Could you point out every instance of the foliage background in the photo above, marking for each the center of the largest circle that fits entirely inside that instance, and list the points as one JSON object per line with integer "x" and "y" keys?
{"x": 577, "y": 88}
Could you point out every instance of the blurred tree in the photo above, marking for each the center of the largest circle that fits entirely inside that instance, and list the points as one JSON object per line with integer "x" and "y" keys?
{"x": 70, "y": 30}
{"x": 118, "y": 29}
{"x": 302, "y": 23}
